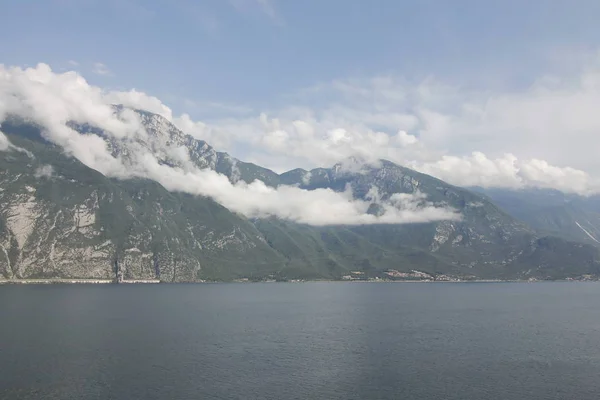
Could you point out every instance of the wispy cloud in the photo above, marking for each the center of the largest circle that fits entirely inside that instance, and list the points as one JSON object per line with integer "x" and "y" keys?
{"x": 73, "y": 63}
{"x": 131, "y": 10}
{"x": 101, "y": 69}
{"x": 218, "y": 107}
{"x": 200, "y": 14}
{"x": 207, "y": 18}
{"x": 266, "y": 7}
{"x": 209, "y": 22}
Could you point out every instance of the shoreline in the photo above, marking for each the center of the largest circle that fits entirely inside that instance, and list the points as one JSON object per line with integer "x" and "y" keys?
{"x": 74, "y": 281}
{"x": 82, "y": 281}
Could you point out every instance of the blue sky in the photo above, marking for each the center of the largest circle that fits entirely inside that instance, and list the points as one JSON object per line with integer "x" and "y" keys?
{"x": 255, "y": 53}
{"x": 490, "y": 93}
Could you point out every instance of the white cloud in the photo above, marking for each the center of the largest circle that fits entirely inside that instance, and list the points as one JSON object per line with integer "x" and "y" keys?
{"x": 4, "y": 142}
{"x": 197, "y": 129}
{"x": 509, "y": 172}
{"x": 306, "y": 141}
{"x": 475, "y": 170}
{"x": 549, "y": 121}
{"x": 306, "y": 178}
{"x": 140, "y": 100}
{"x": 52, "y": 100}
{"x": 73, "y": 63}
{"x": 566, "y": 179}
{"x": 317, "y": 207}
{"x": 101, "y": 69}
{"x": 6, "y": 145}
{"x": 544, "y": 135}
{"x": 44, "y": 171}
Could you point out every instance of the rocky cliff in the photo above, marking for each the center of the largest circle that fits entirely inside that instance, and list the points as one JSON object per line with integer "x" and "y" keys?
{"x": 62, "y": 219}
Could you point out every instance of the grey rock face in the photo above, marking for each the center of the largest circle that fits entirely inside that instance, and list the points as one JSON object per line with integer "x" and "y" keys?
{"x": 61, "y": 219}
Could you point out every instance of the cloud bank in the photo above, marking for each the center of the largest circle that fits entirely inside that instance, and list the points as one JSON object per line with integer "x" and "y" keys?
{"x": 54, "y": 101}
{"x": 508, "y": 172}
{"x": 545, "y": 135}
{"x": 542, "y": 135}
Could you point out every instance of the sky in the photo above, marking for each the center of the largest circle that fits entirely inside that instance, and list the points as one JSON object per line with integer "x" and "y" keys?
{"x": 487, "y": 93}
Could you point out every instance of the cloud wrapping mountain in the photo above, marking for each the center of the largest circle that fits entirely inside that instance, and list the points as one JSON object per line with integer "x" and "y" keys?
{"x": 55, "y": 101}
{"x": 544, "y": 135}
{"x": 4, "y": 142}
{"x": 418, "y": 124}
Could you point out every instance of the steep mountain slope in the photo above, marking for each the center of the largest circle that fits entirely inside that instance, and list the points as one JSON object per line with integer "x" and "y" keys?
{"x": 59, "y": 218}
{"x": 172, "y": 147}
{"x": 71, "y": 221}
{"x": 487, "y": 242}
{"x": 552, "y": 212}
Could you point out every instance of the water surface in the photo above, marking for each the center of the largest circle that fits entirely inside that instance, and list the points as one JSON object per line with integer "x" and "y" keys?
{"x": 491, "y": 341}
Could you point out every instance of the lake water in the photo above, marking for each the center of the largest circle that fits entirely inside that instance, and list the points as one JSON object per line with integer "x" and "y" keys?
{"x": 459, "y": 341}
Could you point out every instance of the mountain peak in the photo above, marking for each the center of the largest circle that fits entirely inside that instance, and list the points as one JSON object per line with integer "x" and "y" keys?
{"x": 93, "y": 222}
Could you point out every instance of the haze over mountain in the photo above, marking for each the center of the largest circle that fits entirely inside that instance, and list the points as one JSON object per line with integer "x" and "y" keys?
{"x": 570, "y": 216}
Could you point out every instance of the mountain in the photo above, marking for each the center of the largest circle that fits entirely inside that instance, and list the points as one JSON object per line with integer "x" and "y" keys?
{"x": 569, "y": 216}
{"x": 487, "y": 242}
{"x": 72, "y": 221}
{"x": 62, "y": 219}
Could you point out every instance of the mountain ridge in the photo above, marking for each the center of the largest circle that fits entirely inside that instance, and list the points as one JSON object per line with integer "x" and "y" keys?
{"x": 193, "y": 238}
{"x": 570, "y": 216}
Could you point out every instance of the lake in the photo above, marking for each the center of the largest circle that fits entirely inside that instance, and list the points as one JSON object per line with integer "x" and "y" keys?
{"x": 321, "y": 340}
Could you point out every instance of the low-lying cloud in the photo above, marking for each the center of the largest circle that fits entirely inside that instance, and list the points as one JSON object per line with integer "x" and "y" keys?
{"x": 542, "y": 135}
{"x": 508, "y": 172}
{"x": 6, "y": 145}
{"x": 286, "y": 144}
{"x": 4, "y": 142}
{"x": 44, "y": 171}
{"x": 315, "y": 207}
{"x": 54, "y": 101}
